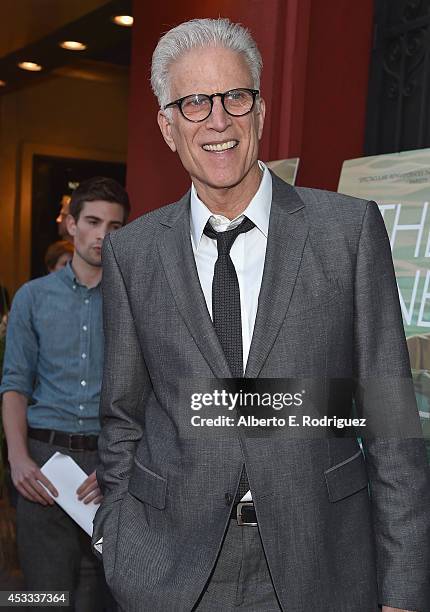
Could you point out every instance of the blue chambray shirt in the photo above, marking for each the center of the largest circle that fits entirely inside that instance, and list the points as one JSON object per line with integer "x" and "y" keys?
{"x": 54, "y": 352}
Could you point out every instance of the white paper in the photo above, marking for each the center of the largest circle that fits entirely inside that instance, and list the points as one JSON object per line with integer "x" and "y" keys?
{"x": 66, "y": 476}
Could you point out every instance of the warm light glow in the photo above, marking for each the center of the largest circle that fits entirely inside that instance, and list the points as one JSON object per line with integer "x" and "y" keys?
{"x": 2, "y": 83}
{"x": 123, "y": 20}
{"x": 31, "y": 66}
{"x": 73, "y": 45}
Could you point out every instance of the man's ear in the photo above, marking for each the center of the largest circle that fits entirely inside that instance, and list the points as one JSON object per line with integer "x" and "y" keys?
{"x": 71, "y": 225}
{"x": 166, "y": 130}
{"x": 261, "y": 116}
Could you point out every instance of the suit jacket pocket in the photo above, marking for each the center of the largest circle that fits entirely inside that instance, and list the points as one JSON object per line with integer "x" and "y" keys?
{"x": 314, "y": 296}
{"x": 147, "y": 486}
{"x": 346, "y": 478}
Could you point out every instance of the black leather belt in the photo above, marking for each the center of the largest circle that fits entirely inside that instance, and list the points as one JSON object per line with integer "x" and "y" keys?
{"x": 244, "y": 514}
{"x": 71, "y": 441}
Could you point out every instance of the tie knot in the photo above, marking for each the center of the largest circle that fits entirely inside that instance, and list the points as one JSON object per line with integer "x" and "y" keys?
{"x": 226, "y": 239}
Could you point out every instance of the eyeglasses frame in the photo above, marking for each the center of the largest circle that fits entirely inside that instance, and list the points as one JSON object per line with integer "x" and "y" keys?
{"x": 178, "y": 102}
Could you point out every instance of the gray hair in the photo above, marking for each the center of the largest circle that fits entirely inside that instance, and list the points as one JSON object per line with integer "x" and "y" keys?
{"x": 201, "y": 33}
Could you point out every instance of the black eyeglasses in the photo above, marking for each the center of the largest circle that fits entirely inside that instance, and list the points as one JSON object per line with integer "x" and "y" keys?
{"x": 198, "y": 107}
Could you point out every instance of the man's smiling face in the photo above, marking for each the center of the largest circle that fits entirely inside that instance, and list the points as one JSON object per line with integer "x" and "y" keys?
{"x": 222, "y": 151}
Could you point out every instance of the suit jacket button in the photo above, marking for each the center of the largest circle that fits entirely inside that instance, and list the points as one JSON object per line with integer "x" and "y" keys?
{"x": 228, "y": 499}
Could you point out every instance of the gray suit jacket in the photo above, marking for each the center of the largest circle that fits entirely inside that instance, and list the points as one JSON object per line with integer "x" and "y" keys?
{"x": 328, "y": 307}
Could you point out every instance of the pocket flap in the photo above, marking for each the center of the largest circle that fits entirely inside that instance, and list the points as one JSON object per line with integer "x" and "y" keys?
{"x": 147, "y": 486}
{"x": 346, "y": 477}
{"x": 314, "y": 296}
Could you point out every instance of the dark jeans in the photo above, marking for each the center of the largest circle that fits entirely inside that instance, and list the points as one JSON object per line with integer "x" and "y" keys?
{"x": 55, "y": 553}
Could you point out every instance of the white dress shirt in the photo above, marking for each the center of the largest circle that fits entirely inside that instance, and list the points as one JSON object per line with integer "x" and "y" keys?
{"x": 247, "y": 253}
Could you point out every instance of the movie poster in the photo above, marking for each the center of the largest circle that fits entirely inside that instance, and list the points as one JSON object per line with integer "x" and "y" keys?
{"x": 286, "y": 169}
{"x": 400, "y": 184}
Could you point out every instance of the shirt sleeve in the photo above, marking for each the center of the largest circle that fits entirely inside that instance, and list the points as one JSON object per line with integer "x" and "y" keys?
{"x": 22, "y": 347}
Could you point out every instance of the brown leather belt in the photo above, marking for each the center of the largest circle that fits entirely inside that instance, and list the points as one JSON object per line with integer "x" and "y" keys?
{"x": 71, "y": 441}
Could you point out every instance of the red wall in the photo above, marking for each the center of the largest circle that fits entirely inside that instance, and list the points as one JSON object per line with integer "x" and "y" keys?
{"x": 340, "y": 36}
{"x": 315, "y": 56}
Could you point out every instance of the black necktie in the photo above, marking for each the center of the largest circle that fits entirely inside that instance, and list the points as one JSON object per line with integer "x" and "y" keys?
{"x": 226, "y": 314}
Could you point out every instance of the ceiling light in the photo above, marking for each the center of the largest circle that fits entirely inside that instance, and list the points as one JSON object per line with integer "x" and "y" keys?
{"x": 123, "y": 20}
{"x": 73, "y": 45}
{"x": 30, "y": 66}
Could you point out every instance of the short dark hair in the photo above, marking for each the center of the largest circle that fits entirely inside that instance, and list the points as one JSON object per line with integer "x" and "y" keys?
{"x": 54, "y": 252}
{"x": 99, "y": 188}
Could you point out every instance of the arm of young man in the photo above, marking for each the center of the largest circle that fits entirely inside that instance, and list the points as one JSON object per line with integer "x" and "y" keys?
{"x": 19, "y": 371}
{"x": 26, "y": 474}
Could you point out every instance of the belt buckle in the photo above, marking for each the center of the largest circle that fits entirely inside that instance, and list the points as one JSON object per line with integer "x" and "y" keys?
{"x": 71, "y": 438}
{"x": 240, "y": 520}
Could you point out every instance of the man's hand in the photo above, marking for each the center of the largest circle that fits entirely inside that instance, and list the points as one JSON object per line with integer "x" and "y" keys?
{"x": 388, "y": 609}
{"x": 25, "y": 476}
{"x": 89, "y": 490}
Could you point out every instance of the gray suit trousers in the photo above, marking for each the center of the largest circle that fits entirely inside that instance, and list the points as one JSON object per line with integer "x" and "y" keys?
{"x": 241, "y": 580}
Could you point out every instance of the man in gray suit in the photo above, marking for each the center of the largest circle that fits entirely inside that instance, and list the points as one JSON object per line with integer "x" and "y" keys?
{"x": 247, "y": 276}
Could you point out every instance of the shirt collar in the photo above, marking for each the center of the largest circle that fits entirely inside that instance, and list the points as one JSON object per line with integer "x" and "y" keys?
{"x": 258, "y": 210}
{"x": 67, "y": 274}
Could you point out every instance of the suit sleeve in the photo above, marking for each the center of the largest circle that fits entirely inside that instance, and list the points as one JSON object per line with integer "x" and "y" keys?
{"x": 125, "y": 381}
{"x": 399, "y": 474}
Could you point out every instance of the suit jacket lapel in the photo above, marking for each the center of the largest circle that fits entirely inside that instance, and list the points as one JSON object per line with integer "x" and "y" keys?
{"x": 180, "y": 268}
{"x": 288, "y": 230}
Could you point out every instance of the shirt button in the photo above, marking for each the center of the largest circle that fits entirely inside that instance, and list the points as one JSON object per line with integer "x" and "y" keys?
{"x": 86, "y": 301}
{"x": 81, "y": 407}
{"x": 228, "y": 499}
{"x": 83, "y": 383}
{"x": 74, "y": 287}
{"x": 80, "y": 421}
{"x": 84, "y": 327}
{"x": 84, "y": 355}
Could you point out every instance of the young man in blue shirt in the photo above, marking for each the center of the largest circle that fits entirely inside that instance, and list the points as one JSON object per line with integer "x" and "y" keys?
{"x": 51, "y": 386}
